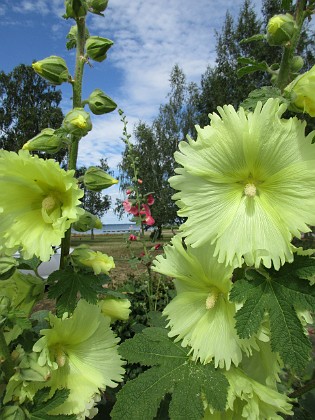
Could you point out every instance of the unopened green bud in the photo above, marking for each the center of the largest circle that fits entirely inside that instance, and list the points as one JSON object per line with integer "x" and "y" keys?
{"x": 95, "y": 179}
{"x": 86, "y": 222}
{"x": 100, "y": 103}
{"x": 45, "y": 141}
{"x": 76, "y": 8}
{"x": 297, "y": 63}
{"x": 301, "y": 91}
{"x": 53, "y": 68}
{"x": 280, "y": 29}
{"x": 77, "y": 122}
{"x": 97, "y": 6}
{"x": 7, "y": 267}
{"x": 97, "y": 47}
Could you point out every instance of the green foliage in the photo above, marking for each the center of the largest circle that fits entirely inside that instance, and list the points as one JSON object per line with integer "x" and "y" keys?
{"x": 172, "y": 372}
{"x": 251, "y": 65}
{"x": 66, "y": 285}
{"x": 283, "y": 295}
{"x": 42, "y": 404}
{"x": 262, "y": 95}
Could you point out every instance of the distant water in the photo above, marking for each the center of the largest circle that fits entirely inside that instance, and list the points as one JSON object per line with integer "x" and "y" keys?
{"x": 114, "y": 228}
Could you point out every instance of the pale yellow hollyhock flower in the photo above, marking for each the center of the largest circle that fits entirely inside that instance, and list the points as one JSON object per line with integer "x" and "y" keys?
{"x": 201, "y": 314}
{"x": 39, "y": 200}
{"x": 97, "y": 261}
{"x": 242, "y": 184}
{"x": 82, "y": 353}
{"x": 251, "y": 400}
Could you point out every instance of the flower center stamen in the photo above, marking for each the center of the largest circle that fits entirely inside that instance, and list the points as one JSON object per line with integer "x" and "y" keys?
{"x": 250, "y": 190}
{"x": 49, "y": 203}
{"x": 211, "y": 299}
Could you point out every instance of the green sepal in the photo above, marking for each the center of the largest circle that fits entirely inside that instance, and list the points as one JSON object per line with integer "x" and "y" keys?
{"x": 75, "y": 9}
{"x": 172, "y": 372}
{"x": 257, "y": 37}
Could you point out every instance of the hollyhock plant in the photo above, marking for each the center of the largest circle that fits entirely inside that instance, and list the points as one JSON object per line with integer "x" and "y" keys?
{"x": 201, "y": 314}
{"x": 39, "y": 201}
{"x": 81, "y": 351}
{"x": 243, "y": 179}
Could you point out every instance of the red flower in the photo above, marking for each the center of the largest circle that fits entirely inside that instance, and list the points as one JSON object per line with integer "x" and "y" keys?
{"x": 128, "y": 192}
{"x": 134, "y": 210}
{"x": 132, "y": 237}
{"x": 149, "y": 220}
{"x": 150, "y": 199}
{"x": 127, "y": 205}
{"x": 157, "y": 246}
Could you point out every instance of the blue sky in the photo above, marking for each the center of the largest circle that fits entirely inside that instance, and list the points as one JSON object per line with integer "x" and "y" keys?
{"x": 149, "y": 36}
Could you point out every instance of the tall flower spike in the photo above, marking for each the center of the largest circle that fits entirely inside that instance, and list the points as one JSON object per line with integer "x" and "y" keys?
{"x": 242, "y": 181}
{"x": 82, "y": 352}
{"x": 39, "y": 200}
{"x": 201, "y": 314}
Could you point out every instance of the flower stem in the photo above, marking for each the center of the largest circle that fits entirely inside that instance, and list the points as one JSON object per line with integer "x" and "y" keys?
{"x": 76, "y": 103}
{"x": 283, "y": 78}
{"x": 304, "y": 389}
{"x": 6, "y": 363}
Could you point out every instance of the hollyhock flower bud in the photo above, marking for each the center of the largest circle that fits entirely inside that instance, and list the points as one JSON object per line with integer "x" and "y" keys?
{"x": 77, "y": 122}
{"x": 280, "y": 29}
{"x": 116, "y": 309}
{"x": 46, "y": 141}
{"x": 297, "y": 63}
{"x": 100, "y": 103}
{"x": 132, "y": 237}
{"x": 97, "y": 47}
{"x": 95, "y": 179}
{"x": 140, "y": 181}
{"x": 150, "y": 199}
{"x": 128, "y": 192}
{"x": 97, "y": 6}
{"x": 302, "y": 93}
{"x": 86, "y": 222}
{"x": 53, "y": 68}
{"x": 76, "y": 8}
{"x": 84, "y": 257}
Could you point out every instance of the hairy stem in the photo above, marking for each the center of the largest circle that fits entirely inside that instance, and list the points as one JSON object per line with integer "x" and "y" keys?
{"x": 284, "y": 72}
{"x": 76, "y": 103}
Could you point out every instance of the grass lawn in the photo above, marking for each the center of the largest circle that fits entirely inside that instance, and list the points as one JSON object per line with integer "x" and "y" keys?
{"x": 121, "y": 249}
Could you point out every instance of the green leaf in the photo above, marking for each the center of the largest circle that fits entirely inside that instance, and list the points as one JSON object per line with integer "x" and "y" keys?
{"x": 65, "y": 285}
{"x": 280, "y": 294}
{"x": 251, "y": 66}
{"x": 42, "y": 404}
{"x": 31, "y": 264}
{"x": 262, "y": 95}
{"x": 286, "y": 5}
{"x": 172, "y": 372}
